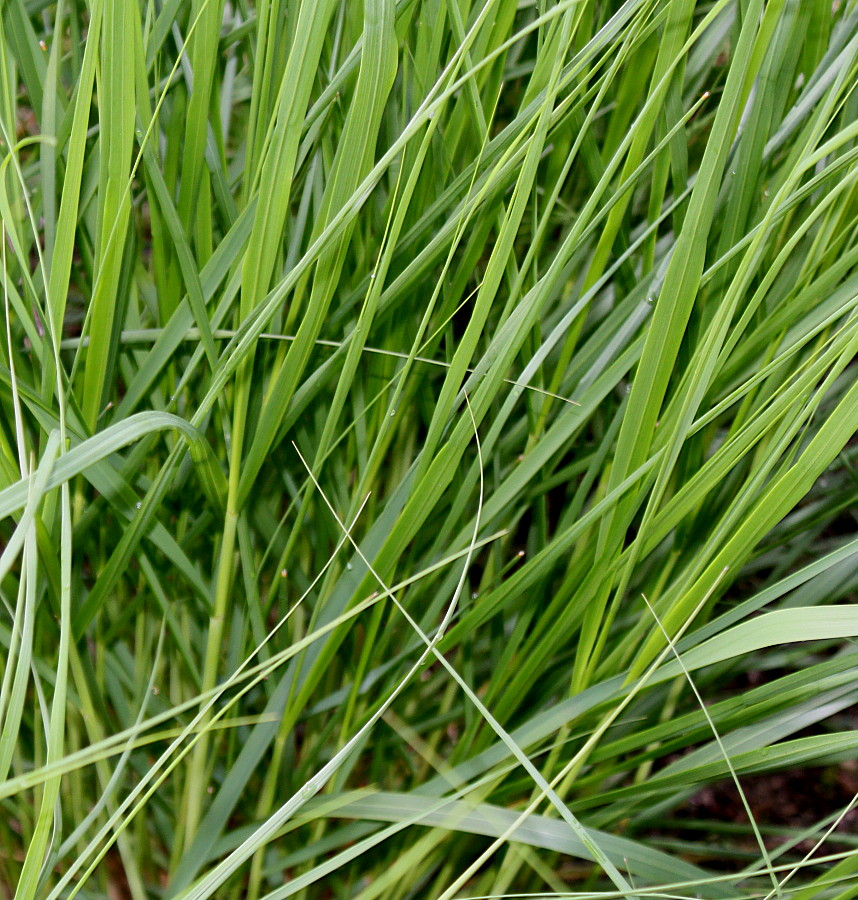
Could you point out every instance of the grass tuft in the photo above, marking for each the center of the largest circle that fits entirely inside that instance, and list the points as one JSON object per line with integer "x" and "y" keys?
{"x": 427, "y": 448}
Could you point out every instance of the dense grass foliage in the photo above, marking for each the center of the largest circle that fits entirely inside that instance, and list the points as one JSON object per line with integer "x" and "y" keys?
{"x": 427, "y": 454}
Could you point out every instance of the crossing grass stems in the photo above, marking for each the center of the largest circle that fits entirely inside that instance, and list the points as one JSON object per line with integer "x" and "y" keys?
{"x": 427, "y": 446}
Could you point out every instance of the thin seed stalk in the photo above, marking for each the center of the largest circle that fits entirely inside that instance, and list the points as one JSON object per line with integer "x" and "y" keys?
{"x": 197, "y": 773}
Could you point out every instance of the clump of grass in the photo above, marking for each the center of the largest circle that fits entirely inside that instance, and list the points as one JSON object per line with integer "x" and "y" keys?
{"x": 427, "y": 452}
